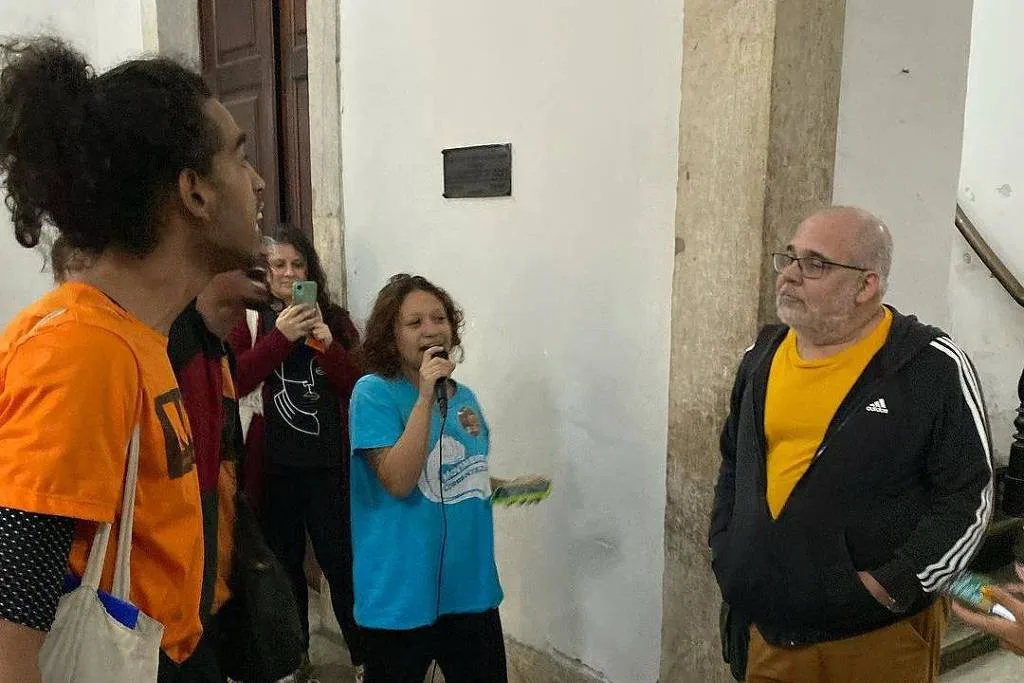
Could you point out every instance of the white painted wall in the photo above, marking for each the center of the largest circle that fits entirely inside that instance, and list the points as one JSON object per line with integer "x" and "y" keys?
{"x": 107, "y": 31}
{"x": 899, "y": 139}
{"x": 985, "y": 319}
{"x": 899, "y": 154}
{"x": 118, "y": 31}
{"x": 567, "y": 285}
{"x": 23, "y": 278}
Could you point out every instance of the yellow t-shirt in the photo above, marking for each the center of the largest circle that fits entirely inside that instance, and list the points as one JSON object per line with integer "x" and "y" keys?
{"x": 803, "y": 396}
{"x": 76, "y": 374}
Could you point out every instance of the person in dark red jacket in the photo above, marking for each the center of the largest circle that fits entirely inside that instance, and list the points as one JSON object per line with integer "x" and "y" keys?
{"x": 296, "y": 358}
{"x": 203, "y": 367}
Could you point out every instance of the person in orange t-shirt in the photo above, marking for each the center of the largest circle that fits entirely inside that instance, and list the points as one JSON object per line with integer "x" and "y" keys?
{"x": 144, "y": 173}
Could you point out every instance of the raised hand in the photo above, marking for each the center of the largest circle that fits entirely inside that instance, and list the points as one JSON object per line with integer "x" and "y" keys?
{"x": 297, "y": 321}
{"x": 432, "y": 369}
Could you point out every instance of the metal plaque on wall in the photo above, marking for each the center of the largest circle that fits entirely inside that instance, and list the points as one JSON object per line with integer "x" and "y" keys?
{"x": 480, "y": 171}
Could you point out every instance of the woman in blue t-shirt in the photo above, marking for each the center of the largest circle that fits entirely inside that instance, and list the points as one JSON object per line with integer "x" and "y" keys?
{"x": 426, "y": 585}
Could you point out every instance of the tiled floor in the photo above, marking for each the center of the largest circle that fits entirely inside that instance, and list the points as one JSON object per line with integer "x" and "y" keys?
{"x": 326, "y": 649}
{"x": 331, "y": 663}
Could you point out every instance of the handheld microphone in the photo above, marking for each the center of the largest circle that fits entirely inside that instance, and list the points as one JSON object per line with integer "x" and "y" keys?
{"x": 441, "y": 388}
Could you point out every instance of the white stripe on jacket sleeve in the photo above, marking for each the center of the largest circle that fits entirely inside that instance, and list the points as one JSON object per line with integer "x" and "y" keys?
{"x": 934, "y": 576}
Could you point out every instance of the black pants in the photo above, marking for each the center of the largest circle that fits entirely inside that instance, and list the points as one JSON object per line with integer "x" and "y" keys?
{"x": 469, "y": 648}
{"x": 202, "y": 666}
{"x": 297, "y": 501}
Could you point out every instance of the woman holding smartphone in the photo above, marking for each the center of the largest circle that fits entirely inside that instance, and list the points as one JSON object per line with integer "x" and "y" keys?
{"x": 296, "y": 356}
{"x": 426, "y": 582}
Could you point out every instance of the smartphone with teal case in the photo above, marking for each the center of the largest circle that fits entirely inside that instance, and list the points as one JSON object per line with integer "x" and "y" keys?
{"x": 304, "y": 292}
{"x": 973, "y": 590}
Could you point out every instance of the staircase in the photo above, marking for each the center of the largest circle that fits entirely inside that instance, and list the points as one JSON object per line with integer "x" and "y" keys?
{"x": 996, "y": 557}
{"x": 962, "y": 643}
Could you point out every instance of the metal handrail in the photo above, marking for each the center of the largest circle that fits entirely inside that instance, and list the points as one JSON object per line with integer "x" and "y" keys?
{"x": 995, "y": 264}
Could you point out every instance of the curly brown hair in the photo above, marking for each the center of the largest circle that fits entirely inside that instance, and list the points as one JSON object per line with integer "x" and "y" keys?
{"x": 379, "y": 351}
{"x": 65, "y": 260}
{"x": 97, "y": 156}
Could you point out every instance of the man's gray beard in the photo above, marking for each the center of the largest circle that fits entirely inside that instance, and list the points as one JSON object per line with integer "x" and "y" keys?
{"x": 819, "y": 332}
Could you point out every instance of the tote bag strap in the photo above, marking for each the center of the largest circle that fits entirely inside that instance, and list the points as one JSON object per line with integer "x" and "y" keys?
{"x": 98, "y": 552}
{"x": 252, "y": 403}
{"x": 123, "y": 568}
{"x": 100, "y": 541}
{"x": 252, "y": 319}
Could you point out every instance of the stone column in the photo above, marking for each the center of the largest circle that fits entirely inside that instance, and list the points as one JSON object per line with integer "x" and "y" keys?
{"x": 760, "y": 98}
{"x": 324, "y": 50}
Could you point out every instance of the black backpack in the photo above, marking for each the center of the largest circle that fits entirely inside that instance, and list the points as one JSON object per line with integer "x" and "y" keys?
{"x": 260, "y": 635}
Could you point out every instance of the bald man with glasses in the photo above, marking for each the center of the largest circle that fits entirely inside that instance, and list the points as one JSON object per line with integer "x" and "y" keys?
{"x": 856, "y": 474}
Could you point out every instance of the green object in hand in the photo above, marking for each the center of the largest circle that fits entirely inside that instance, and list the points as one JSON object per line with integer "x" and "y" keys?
{"x": 521, "y": 491}
{"x": 304, "y": 292}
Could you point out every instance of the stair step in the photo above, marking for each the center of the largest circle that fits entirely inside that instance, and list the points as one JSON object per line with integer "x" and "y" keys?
{"x": 962, "y": 644}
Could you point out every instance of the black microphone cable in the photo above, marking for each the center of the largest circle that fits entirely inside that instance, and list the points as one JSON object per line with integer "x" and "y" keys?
{"x": 443, "y": 409}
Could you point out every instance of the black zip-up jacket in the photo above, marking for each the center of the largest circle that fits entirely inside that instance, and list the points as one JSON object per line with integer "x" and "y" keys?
{"x": 901, "y": 486}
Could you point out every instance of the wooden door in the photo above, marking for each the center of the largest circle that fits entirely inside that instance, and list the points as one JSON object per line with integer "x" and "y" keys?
{"x": 294, "y": 114}
{"x": 237, "y": 39}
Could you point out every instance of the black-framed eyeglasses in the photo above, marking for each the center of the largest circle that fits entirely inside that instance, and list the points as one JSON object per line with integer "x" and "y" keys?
{"x": 811, "y": 267}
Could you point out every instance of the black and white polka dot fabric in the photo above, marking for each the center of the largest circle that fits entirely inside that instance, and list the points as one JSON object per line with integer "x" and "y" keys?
{"x": 34, "y": 553}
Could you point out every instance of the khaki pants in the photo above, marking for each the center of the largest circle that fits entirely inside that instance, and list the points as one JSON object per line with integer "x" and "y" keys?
{"x": 906, "y": 652}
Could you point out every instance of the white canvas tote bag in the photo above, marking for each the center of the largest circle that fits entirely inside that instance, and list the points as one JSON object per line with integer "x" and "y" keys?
{"x": 99, "y": 637}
